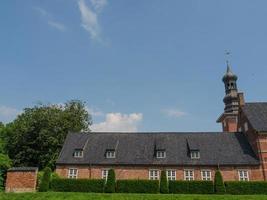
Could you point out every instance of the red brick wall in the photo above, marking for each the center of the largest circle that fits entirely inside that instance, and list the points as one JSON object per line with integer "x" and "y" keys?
{"x": 229, "y": 124}
{"x": 21, "y": 181}
{"x": 258, "y": 142}
{"x": 134, "y": 172}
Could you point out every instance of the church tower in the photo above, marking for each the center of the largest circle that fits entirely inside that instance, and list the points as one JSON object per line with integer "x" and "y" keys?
{"x": 232, "y": 101}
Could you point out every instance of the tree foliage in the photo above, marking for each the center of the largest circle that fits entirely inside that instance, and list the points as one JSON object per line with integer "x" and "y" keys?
{"x": 5, "y": 162}
{"x": 45, "y": 181}
{"x": 219, "y": 186}
{"x": 36, "y": 136}
{"x": 164, "y": 189}
{"x": 111, "y": 182}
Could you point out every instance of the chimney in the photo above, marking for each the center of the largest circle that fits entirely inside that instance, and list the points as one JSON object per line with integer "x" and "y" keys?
{"x": 241, "y": 99}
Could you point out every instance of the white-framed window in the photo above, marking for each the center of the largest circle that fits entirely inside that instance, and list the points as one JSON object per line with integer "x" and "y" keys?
{"x": 110, "y": 154}
{"x": 153, "y": 174}
{"x": 243, "y": 175}
{"x": 224, "y": 123}
{"x": 206, "y": 175}
{"x": 78, "y": 153}
{"x": 189, "y": 174}
{"x": 105, "y": 174}
{"x": 161, "y": 154}
{"x": 195, "y": 154}
{"x": 171, "y": 174}
{"x": 73, "y": 173}
{"x": 246, "y": 126}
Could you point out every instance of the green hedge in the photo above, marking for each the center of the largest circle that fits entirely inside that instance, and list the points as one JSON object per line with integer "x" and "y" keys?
{"x": 77, "y": 185}
{"x": 137, "y": 186}
{"x": 239, "y": 187}
{"x": 191, "y": 187}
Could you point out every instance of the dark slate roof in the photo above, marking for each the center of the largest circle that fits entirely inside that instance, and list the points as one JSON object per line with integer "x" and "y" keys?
{"x": 22, "y": 169}
{"x": 257, "y": 115}
{"x": 139, "y": 149}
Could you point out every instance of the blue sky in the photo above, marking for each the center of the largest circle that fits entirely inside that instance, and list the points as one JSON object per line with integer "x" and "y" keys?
{"x": 147, "y": 65}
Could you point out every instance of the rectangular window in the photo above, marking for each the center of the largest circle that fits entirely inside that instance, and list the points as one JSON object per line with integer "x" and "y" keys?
{"x": 246, "y": 127}
{"x": 243, "y": 175}
{"x": 171, "y": 175}
{"x": 195, "y": 154}
{"x": 206, "y": 175}
{"x": 105, "y": 174}
{"x": 78, "y": 153}
{"x": 161, "y": 154}
{"x": 153, "y": 174}
{"x": 73, "y": 173}
{"x": 110, "y": 154}
{"x": 189, "y": 175}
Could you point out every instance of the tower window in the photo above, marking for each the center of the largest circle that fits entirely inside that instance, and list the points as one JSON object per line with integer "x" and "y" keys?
{"x": 246, "y": 127}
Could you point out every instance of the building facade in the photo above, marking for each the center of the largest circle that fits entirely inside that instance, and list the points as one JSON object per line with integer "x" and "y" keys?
{"x": 239, "y": 151}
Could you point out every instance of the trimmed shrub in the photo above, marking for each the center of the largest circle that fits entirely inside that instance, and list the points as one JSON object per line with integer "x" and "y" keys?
{"x": 138, "y": 186}
{"x": 40, "y": 176}
{"x": 219, "y": 186}
{"x": 111, "y": 182}
{"x": 45, "y": 181}
{"x": 242, "y": 188}
{"x": 77, "y": 185}
{"x": 191, "y": 187}
{"x": 164, "y": 189}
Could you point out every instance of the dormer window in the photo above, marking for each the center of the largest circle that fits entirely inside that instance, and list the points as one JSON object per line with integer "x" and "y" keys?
{"x": 161, "y": 154}
{"x": 78, "y": 153}
{"x": 195, "y": 154}
{"x": 110, "y": 154}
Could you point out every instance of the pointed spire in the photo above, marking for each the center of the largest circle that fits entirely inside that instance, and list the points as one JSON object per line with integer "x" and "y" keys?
{"x": 229, "y": 74}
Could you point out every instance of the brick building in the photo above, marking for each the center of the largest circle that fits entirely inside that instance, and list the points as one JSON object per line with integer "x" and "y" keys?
{"x": 240, "y": 151}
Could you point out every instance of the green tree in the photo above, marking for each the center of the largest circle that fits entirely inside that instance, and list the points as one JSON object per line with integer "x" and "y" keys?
{"x": 5, "y": 163}
{"x": 219, "y": 186}
{"x": 45, "y": 181}
{"x": 111, "y": 182}
{"x": 36, "y": 136}
{"x": 164, "y": 189}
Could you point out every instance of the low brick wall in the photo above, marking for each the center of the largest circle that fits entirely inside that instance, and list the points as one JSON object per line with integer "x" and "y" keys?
{"x": 21, "y": 179}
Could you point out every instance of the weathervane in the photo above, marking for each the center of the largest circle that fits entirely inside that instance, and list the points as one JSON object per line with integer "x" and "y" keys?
{"x": 227, "y": 56}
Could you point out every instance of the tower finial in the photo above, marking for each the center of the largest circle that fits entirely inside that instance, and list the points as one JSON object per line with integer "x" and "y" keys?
{"x": 227, "y": 56}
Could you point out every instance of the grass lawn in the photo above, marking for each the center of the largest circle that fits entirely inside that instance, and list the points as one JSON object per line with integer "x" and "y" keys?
{"x": 90, "y": 196}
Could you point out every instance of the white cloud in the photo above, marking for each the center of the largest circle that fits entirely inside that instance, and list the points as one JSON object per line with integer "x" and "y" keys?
{"x": 119, "y": 122}
{"x": 8, "y": 113}
{"x": 49, "y": 19}
{"x": 57, "y": 25}
{"x": 99, "y": 4}
{"x": 94, "y": 112}
{"x": 89, "y": 17}
{"x": 173, "y": 112}
{"x": 89, "y": 20}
